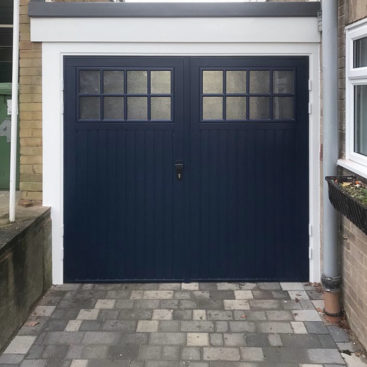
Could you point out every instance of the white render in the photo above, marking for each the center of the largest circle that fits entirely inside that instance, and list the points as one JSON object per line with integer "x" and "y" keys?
{"x": 168, "y": 37}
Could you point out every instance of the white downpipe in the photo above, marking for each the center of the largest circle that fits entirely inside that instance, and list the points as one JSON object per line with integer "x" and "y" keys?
{"x": 14, "y": 114}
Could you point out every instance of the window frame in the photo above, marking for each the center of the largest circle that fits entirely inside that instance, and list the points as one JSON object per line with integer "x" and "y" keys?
{"x": 353, "y": 77}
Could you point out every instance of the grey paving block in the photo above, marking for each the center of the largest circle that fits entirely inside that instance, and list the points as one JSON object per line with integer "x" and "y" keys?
{"x": 250, "y": 315}
{"x": 147, "y": 352}
{"x": 261, "y": 294}
{"x": 125, "y": 304}
{"x": 252, "y": 354}
{"x": 190, "y": 354}
{"x": 327, "y": 341}
{"x": 101, "y": 337}
{"x": 63, "y": 337}
{"x": 241, "y": 326}
{"x": 207, "y": 286}
{"x": 221, "y": 326}
{"x": 75, "y": 351}
{"x": 168, "y": 338}
{"x": 216, "y": 339}
{"x": 108, "y": 315}
{"x": 338, "y": 334}
{"x": 325, "y": 356}
{"x": 147, "y": 303}
{"x": 214, "y": 294}
{"x": 210, "y": 304}
{"x": 94, "y": 352}
{"x": 134, "y": 338}
{"x": 182, "y": 315}
{"x": 269, "y": 286}
{"x": 108, "y": 363}
{"x": 264, "y": 304}
{"x": 171, "y": 353}
{"x": 202, "y": 326}
{"x": 279, "y": 315}
{"x": 123, "y": 351}
{"x": 221, "y": 354}
{"x": 55, "y": 351}
{"x": 135, "y": 314}
{"x": 316, "y": 327}
{"x": 169, "y": 303}
{"x": 55, "y": 325}
{"x": 90, "y": 325}
{"x": 169, "y": 325}
{"x": 301, "y": 341}
{"x": 119, "y": 325}
{"x": 274, "y": 327}
{"x": 282, "y": 355}
{"x": 275, "y": 340}
{"x": 123, "y": 294}
{"x": 33, "y": 363}
{"x": 219, "y": 315}
{"x": 164, "y": 364}
{"x": 280, "y": 295}
{"x": 188, "y": 304}
{"x": 35, "y": 352}
{"x": 11, "y": 359}
{"x": 182, "y": 295}
{"x": 257, "y": 340}
{"x": 234, "y": 339}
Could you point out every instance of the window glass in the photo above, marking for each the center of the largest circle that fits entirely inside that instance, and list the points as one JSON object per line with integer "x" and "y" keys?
{"x": 360, "y": 53}
{"x": 161, "y": 108}
{"x": 212, "y": 108}
{"x": 89, "y": 81}
{"x": 113, "y": 82}
{"x": 113, "y": 108}
{"x": 259, "y": 108}
{"x": 137, "y": 108}
{"x": 236, "y": 81}
{"x": 89, "y": 108}
{"x": 137, "y": 82}
{"x": 283, "y": 82}
{"x": 360, "y": 119}
{"x": 160, "y": 82}
{"x": 212, "y": 81}
{"x": 236, "y": 108}
{"x": 260, "y": 82}
{"x": 283, "y": 108}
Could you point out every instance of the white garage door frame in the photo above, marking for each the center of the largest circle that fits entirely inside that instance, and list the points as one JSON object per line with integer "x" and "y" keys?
{"x": 191, "y": 37}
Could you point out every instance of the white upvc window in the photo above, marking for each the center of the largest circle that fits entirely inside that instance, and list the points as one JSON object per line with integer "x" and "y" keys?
{"x": 356, "y": 98}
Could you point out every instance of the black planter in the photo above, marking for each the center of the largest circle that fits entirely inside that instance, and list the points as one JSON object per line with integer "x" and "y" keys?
{"x": 345, "y": 204}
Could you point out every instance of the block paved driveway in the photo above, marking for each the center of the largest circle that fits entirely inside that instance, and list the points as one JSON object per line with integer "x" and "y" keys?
{"x": 169, "y": 325}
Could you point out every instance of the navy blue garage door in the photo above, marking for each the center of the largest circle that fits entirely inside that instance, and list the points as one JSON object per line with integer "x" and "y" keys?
{"x": 186, "y": 168}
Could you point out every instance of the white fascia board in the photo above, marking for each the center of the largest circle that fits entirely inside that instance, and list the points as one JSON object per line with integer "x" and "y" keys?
{"x": 166, "y": 30}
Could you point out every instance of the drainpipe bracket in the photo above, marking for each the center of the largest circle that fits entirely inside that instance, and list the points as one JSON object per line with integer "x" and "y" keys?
{"x": 331, "y": 284}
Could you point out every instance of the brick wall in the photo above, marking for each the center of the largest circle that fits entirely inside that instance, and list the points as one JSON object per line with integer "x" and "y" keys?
{"x": 30, "y": 112}
{"x": 30, "y": 109}
{"x": 353, "y": 241}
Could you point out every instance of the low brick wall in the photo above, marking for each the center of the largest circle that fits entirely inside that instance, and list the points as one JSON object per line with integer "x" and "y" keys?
{"x": 355, "y": 279}
{"x": 25, "y": 269}
{"x": 353, "y": 242}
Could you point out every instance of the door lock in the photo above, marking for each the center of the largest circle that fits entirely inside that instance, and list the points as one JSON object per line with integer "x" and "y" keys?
{"x": 179, "y": 170}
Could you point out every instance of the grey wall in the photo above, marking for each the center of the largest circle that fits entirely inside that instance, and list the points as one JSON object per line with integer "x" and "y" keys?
{"x": 25, "y": 271}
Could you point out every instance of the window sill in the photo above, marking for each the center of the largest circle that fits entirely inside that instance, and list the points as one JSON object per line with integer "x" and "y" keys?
{"x": 354, "y": 167}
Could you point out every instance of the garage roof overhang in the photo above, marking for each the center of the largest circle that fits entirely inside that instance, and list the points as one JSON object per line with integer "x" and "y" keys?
{"x": 40, "y": 9}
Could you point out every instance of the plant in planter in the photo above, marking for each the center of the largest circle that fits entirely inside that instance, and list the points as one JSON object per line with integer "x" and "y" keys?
{"x": 349, "y": 196}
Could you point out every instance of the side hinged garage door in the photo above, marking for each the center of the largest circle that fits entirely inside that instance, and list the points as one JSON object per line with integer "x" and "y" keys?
{"x": 186, "y": 168}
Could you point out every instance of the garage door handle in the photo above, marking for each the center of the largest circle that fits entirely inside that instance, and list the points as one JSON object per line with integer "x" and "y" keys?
{"x": 179, "y": 170}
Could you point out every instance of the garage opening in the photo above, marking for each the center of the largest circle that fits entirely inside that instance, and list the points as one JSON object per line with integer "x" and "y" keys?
{"x": 186, "y": 168}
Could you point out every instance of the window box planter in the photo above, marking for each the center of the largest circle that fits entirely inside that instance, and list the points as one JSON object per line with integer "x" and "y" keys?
{"x": 344, "y": 196}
